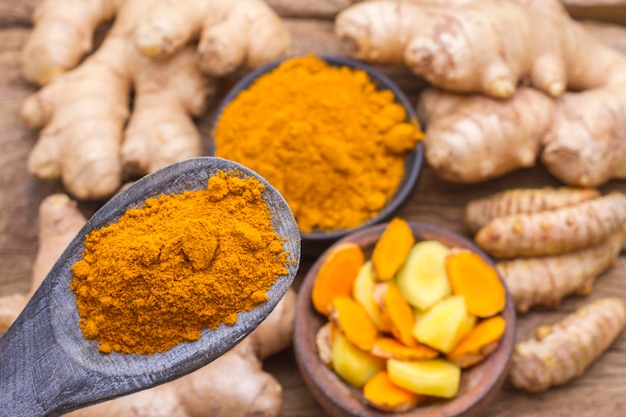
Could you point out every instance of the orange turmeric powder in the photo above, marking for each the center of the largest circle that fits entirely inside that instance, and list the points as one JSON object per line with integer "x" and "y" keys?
{"x": 177, "y": 265}
{"x": 324, "y": 136}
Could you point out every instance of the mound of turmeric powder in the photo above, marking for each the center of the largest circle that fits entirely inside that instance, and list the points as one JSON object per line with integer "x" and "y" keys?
{"x": 324, "y": 136}
{"x": 177, "y": 265}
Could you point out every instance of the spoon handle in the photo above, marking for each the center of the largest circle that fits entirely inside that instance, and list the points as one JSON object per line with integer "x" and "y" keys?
{"x": 37, "y": 377}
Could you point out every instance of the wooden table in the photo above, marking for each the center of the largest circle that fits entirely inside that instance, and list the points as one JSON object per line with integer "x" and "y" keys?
{"x": 600, "y": 393}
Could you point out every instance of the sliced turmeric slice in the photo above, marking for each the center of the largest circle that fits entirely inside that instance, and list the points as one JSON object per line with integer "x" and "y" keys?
{"x": 381, "y": 393}
{"x": 477, "y": 281}
{"x": 391, "y": 348}
{"x": 392, "y": 249}
{"x": 353, "y": 321}
{"x": 479, "y": 344}
{"x": 336, "y": 275}
{"x": 396, "y": 312}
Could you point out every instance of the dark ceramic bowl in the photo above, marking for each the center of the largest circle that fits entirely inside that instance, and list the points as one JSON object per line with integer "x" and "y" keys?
{"x": 314, "y": 243}
{"x": 479, "y": 384}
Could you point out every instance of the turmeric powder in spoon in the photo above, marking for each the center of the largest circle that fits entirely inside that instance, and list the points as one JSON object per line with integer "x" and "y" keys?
{"x": 178, "y": 264}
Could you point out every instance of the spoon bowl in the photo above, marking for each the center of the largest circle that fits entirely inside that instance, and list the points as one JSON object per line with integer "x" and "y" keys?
{"x": 49, "y": 368}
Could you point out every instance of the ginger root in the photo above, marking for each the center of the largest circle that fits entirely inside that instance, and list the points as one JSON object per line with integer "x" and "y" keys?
{"x": 89, "y": 137}
{"x": 458, "y": 47}
{"x": 561, "y": 352}
{"x": 232, "y": 385}
{"x": 475, "y": 138}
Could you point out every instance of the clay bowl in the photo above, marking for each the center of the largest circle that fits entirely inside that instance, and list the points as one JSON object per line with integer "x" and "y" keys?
{"x": 314, "y": 243}
{"x": 479, "y": 384}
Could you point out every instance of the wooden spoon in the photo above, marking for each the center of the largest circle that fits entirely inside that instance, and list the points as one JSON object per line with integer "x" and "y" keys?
{"x": 47, "y": 367}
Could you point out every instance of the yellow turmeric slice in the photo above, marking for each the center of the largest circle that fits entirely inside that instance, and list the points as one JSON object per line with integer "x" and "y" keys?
{"x": 336, "y": 275}
{"x": 353, "y": 321}
{"x": 477, "y": 281}
{"x": 392, "y": 249}
{"x": 353, "y": 365}
{"x": 476, "y": 346}
{"x": 391, "y": 348}
{"x": 381, "y": 393}
{"x": 396, "y": 311}
{"x": 363, "y": 290}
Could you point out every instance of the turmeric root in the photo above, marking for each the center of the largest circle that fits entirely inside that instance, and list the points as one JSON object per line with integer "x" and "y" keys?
{"x": 545, "y": 281}
{"x": 554, "y": 231}
{"x": 233, "y": 384}
{"x": 561, "y": 352}
{"x": 481, "y": 211}
{"x": 92, "y": 100}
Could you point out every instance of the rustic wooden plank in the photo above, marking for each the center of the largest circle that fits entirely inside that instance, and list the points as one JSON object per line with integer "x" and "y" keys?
{"x": 325, "y": 9}
{"x": 613, "y": 11}
{"x": 20, "y": 193}
{"x": 16, "y": 13}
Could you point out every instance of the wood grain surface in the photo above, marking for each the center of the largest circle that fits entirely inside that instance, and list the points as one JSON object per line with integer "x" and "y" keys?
{"x": 600, "y": 393}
